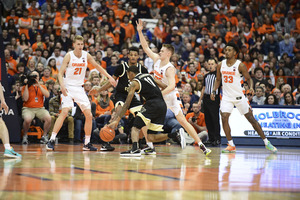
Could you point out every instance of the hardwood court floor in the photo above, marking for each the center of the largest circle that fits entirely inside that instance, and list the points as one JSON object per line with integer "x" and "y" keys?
{"x": 70, "y": 173}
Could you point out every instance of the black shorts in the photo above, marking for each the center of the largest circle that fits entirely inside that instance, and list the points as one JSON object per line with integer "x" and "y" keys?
{"x": 120, "y": 98}
{"x": 153, "y": 114}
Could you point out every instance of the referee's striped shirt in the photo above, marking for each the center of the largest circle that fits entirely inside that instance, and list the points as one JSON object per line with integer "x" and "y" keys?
{"x": 209, "y": 81}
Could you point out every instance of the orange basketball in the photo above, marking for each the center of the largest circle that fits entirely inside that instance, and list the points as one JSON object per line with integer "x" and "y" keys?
{"x": 107, "y": 134}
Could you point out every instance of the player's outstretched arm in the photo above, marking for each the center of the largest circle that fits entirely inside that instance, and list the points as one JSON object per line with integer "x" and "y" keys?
{"x": 101, "y": 70}
{"x": 148, "y": 51}
{"x": 61, "y": 73}
{"x": 217, "y": 82}
{"x": 96, "y": 89}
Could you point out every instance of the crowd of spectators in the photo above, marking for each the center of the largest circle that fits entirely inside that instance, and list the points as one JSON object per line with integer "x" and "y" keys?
{"x": 38, "y": 33}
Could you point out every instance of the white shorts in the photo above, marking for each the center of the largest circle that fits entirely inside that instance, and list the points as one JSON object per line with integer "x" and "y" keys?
{"x": 173, "y": 102}
{"x": 242, "y": 105}
{"x": 75, "y": 94}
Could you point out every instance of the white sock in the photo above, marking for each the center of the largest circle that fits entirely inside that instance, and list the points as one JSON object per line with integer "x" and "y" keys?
{"x": 200, "y": 143}
{"x": 230, "y": 142}
{"x": 266, "y": 141}
{"x": 53, "y": 136}
{"x": 7, "y": 146}
{"x": 87, "y": 139}
{"x": 150, "y": 144}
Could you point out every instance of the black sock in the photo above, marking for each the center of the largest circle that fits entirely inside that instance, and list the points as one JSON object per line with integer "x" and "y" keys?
{"x": 134, "y": 145}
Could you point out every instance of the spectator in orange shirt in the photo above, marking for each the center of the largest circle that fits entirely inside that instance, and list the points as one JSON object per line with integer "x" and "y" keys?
{"x": 221, "y": 16}
{"x": 197, "y": 120}
{"x": 46, "y": 75}
{"x": 12, "y": 15}
{"x": 38, "y": 43}
{"x": 25, "y": 23}
{"x": 60, "y": 21}
{"x": 160, "y": 31}
{"x": 233, "y": 20}
{"x": 247, "y": 61}
{"x": 129, "y": 28}
{"x": 34, "y": 12}
{"x": 103, "y": 109}
{"x": 268, "y": 27}
{"x": 183, "y": 7}
{"x": 12, "y": 69}
{"x": 81, "y": 13}
{"x": 33, "y": 95}
{"x": 119, "y": 12}
{"x": 119, "y": 33}
{"x": 276, "y": 16}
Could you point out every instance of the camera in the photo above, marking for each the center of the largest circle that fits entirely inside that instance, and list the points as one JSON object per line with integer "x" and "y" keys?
{"x": 194, "y": 119}
{"x": 28, "y": 79}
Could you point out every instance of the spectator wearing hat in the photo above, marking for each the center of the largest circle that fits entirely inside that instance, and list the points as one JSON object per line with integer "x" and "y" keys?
{"x": 171, "y": 37}
{"x": 91, "y": 19}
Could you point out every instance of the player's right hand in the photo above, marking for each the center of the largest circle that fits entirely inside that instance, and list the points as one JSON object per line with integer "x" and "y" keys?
{"x": 139, "y": 25}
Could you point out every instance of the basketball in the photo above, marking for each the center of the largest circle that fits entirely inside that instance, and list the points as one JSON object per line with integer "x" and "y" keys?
{"x": 107, "y": 134}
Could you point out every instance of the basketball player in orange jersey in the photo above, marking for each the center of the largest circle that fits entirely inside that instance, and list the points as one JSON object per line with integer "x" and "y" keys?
{"x": 164, "y": 71}
{"x": 231, "y": 71}
{"x": 73, "y": 69}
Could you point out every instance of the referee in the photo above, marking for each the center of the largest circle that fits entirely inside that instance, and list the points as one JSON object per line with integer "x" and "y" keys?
{"x": 211, "y": 108}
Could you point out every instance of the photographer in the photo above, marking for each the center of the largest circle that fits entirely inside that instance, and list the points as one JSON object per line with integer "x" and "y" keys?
{"x": 33, "y": 97}
{"x": 196, "y": 119}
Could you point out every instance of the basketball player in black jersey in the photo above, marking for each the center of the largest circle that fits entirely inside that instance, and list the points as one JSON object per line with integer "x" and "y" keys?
{"x": 152, "y": 114}
{"x": 121, "y": 93}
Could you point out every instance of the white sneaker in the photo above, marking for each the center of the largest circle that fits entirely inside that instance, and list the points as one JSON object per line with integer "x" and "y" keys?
{"x": 182, "y": 138}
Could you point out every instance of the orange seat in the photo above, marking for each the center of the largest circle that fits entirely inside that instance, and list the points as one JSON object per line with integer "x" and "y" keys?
{"x": 35, "y": 130}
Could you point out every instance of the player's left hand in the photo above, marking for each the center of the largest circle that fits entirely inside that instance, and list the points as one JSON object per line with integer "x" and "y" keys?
{"x": 113, "y": 81}
{"x": 4, "y": 106}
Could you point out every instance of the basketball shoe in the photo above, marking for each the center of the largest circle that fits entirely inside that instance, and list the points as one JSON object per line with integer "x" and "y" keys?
{"x": 180, "y": 137}
{"x": 89, "y": 147}
{"x": 50, "y": 145}
{"x": 10, "y": 153}
{"x": 148, "y": 151}
{"x": 205, "y": 150}
{"x": 270, "y": 147}
{"x": 107, "y": 147}
{"x": 229, "y": 149}
{"x": 131, "y": 153}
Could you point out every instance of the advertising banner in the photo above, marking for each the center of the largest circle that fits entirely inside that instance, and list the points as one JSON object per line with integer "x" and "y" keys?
{"x": 276, "y": 122}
